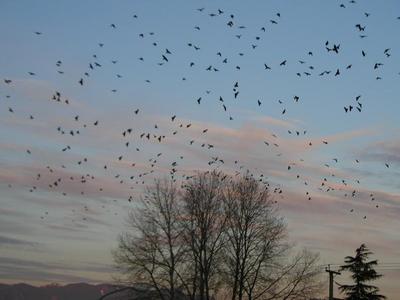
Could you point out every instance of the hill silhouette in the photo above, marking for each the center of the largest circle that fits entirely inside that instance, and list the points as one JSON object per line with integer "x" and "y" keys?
{"x": 75, "y": 291}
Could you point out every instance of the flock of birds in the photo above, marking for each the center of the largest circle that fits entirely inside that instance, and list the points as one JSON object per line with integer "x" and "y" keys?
{"x": 55, "y": 178}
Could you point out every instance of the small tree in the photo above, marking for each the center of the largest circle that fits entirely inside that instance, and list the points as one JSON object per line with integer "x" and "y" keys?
{"x": 362, "y": 272}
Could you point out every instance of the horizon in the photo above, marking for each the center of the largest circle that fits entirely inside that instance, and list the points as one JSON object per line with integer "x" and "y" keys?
{"x": 163, "y": 77}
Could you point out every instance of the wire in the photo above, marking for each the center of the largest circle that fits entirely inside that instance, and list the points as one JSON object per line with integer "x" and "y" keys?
{"x": 388, "y": 266}
{"x": 397, "y": 264}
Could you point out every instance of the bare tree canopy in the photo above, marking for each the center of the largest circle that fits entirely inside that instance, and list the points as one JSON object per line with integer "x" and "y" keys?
{"x": 215, "y": 234}
{"x": 256, "y": 250}
{"x": 205, "y": 229}
{"x": 152, "y": 250}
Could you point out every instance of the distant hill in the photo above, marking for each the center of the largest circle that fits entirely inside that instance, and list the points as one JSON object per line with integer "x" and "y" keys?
{"x": 76, "y": 291}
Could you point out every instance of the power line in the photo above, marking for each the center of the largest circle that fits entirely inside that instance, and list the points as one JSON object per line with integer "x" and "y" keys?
{"x": 381, "y": 267}
{"x": 390, "y": 264}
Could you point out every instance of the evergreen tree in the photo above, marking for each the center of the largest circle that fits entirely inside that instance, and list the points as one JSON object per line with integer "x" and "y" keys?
{"x": 362, "y": 272}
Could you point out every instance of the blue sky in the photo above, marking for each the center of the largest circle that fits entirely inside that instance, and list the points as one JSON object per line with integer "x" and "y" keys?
{"x": 71, "y": 32}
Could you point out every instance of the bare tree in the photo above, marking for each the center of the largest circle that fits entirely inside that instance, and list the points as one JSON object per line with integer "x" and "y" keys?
{"x": 204, "y": 230}
{"x": 256, "y": 247}
{"x": 152, "y": 250}
{"x": 290, "y": 279}
{"x": 254, "y": 234}
{"x": 216, "y": 234}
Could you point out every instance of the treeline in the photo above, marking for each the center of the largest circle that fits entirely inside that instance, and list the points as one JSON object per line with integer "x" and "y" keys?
{"x": 214, "y": 236}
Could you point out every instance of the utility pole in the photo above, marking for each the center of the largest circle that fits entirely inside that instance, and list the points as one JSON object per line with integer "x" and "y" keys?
{"x": 331, "y": 274}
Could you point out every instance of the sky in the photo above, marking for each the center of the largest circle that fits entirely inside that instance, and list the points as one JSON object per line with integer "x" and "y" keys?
{"x": 65, "y": 232}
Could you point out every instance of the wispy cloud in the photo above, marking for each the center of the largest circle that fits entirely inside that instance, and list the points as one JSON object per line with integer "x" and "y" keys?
{"x": 267, "y": 120}
{"x": 7, "y": 241}
{"x": 38, "y": 271}
{"x": 387, "y": 151}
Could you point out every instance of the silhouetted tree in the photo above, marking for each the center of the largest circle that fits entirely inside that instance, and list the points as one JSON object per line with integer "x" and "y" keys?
{"x": 215, "y": 234}
{"x": 256, "y": 248}
{"x": 152, "y": 250}
{"x": 362, "y": 272}
{"x": 204, "y": 231}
